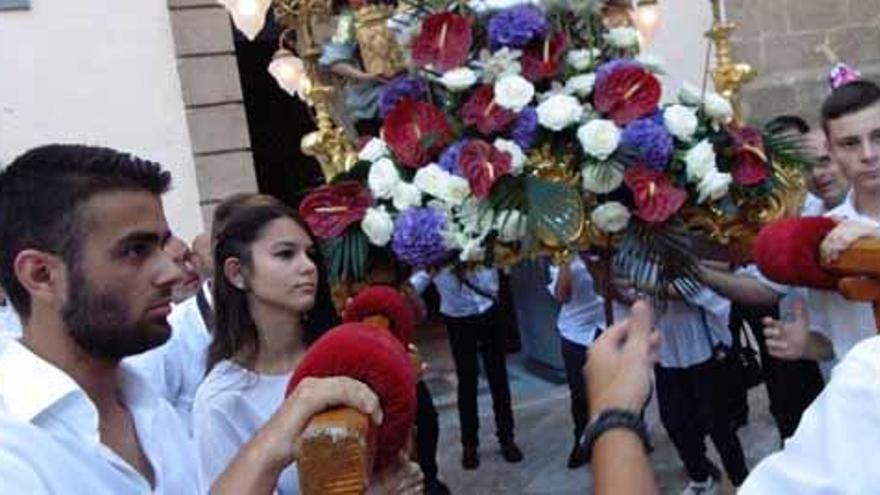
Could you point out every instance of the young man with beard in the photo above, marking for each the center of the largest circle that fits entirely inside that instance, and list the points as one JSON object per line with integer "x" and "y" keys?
{"x": 82, "y": 238}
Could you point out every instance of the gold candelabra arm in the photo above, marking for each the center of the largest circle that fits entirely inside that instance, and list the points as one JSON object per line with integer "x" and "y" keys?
{"x": 728, "y": 75}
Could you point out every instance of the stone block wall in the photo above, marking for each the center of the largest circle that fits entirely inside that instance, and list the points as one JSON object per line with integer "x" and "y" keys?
{"x": 781, "y": 39}
{"x": 214, "y": 105}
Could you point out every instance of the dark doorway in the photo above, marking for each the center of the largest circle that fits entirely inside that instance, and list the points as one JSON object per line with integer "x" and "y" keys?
{"x": 276, "y": 121}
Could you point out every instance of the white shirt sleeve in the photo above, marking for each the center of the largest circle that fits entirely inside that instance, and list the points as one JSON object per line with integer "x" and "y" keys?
{"x": 834, "y": 449}
{"x": 420, "y": 281}
{"x": 17, "y": 477}
{"x": 554, "y": 279}
{"x": 217, "y": 438}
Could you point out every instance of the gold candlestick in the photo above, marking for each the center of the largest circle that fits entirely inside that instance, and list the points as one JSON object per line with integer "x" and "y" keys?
{"x": 729, "y": 76}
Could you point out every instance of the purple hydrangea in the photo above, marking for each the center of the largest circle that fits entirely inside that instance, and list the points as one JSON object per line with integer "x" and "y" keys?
{"x": 607, "y": 68}
{"x": 517, "y": 26}
{"x": 448, "y": 160}
{"x": 418, "y": 238}
{"x": 398, "y": 89}
{"x": 525, "y": 129}
{"x": 653, "y": 142}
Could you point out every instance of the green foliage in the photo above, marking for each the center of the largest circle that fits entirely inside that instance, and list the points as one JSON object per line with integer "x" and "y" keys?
{"x": 346, "y": 256}
{"x": 655, "y": 258}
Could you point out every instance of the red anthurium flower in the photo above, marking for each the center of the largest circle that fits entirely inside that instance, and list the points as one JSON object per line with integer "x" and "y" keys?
{"x": 750, "y": 165}
{"x": 330, "y": 209}
{"x": 482, "y": 111}
{"x": 416, "y": 131}
{"x": 541, "y": 59}
{"x": 655, "y": 197}
{"x": 629, "y": 93}
{"x": 444, "y": 41}
{"x": 482, "y": 164}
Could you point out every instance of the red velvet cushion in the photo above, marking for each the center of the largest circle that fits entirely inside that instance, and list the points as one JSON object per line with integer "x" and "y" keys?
{"x": 377, "y": 359}
{"x": 385, "y": 301}
{"x": 787, "y": 252}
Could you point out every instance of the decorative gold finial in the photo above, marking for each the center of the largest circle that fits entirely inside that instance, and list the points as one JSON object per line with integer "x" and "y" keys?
{"x": 729, "y": 76}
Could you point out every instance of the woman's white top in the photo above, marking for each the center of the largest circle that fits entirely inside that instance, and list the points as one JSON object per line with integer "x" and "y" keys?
{"x": 230, "y": 406}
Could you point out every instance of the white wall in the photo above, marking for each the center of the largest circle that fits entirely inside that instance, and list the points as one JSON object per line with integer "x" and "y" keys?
{"x": 98, "y": 72}
{"x": 681, "y": 43}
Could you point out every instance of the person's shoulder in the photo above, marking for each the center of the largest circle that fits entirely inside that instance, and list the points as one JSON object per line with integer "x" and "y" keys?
{"x": 222, "y": 385}
{"x": 864, "y": 355}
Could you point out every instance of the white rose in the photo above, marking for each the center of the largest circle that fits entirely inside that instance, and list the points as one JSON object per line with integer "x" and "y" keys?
{"x": 581, "y": 85}
{"x": 373, "y": 150}
{"x": 651, "y": 62}
{"x": 714, "y": 186}
{"x": 610, "y": 217}
{"x": 383, "y": 178}
{"x": 623, "y": 37}
{"x": 517, "y": 156}
{"x": 599, "y": 138}
{"x": 700, "y": 161}
{"x": 559, "y": 111}
{"x": 582, "y": 59}
{"x": 506, "y": 4}
{"x": 690, "y": 94}
{"x": 458, "y": 79}
{"x": 511, "y": 225}
{"x": 456, "y": 189}
{"x": 680, "y": 121}
{"x": 378, "y": 226}
{"x": 406, "y": 196}
{"x": 601, "y": 179}
{"x": 472, "y": 251}
{"x": 513, "y": 92}
{"x": 718, "y": 108}
{"x": 431, "y": 179}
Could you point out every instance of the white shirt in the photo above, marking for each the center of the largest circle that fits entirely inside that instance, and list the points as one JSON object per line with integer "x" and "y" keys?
{"x": 456, "y": 298}
{"x": 844, "y": 322}
{"x": 177, "y": 368}
{"x": 50, "y": 443}
{"x": 10, "y": 323}
{"x": 685, "y": 340}
{"x": 834, "y": 450}
{"x": 584, "y": 313}
{"x": 230, "y": 406}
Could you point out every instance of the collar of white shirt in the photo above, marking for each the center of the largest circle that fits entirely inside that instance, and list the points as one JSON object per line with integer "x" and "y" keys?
{"x": 848, "y": 210}
{"x": 31, "y": 386}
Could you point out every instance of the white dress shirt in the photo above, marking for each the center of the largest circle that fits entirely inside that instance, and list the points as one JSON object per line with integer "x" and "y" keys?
{"x": 456, "y": 298}
{"x": 686, "y": 339}
{"x": 177, "y": 368}
{"x": 50, "y": 441}
{"x": 10, "y": 323}
{"x": 231, "y": 405}
{"x": 834, "y": 450}
{"x": 584, "y": 313}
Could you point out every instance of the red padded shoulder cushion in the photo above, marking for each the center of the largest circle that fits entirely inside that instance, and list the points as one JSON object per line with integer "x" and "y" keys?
{"x": 787, "y": 252}
{"x": 377, "y": 359}
{"x": 388, "y": 302}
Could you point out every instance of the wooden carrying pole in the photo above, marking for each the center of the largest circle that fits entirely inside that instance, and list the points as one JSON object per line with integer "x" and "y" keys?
{"x": 859, "y": 267}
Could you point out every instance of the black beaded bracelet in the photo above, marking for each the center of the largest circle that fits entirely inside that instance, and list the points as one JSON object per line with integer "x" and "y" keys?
{"x": 611, "y": 419}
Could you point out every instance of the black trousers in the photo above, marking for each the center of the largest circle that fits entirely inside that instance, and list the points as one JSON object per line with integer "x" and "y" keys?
{"x": 791, "y": 385}
{"x": 574, "y": 356}
{"x": 693, "y": 404}
{"x": 427, "y": 431}
{"x": 468, "y": 337}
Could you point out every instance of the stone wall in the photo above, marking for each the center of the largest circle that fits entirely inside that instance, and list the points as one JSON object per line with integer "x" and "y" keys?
{"x": 213, "y": 99}
{"x": 780, "y": 38}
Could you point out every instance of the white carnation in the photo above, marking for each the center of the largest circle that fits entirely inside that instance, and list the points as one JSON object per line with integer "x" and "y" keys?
{"x": 458, "y": 79}
{"x": 500, "y": 63}
{"x": 383, "y": 178}
{"x": 689, "y": 94}
{"x": 651, "y": 62}
{"x": 714, "y": 186}
{"x": 431, "y": 179}
{"x": 718, "y": 108}
{"x": 700, "y": 161}
{"x": 513, "y": 92}
{"x": 457, "y": 190}
{"x": 623, "y": 37}
{"x": 378, "y": 226}
{"x": 511, "y": 225}
{"x": 517, "y": 156}
{"x": 599, "y": 138}
{"x": 406, "y": 196}
{"x": 373, "y": 150}
{"x": 680, "y": 121}
{"x": 582, "y": 59}
{"x": 581, "y": 85}
{"x": 559, "y": 111}
{"x": 506, "y": 4}
{"x": 601, "y": 179}
{"x": 611, "y": 217}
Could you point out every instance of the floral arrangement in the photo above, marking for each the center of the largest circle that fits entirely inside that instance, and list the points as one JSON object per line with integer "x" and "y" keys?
{"x": 527, "y": 126}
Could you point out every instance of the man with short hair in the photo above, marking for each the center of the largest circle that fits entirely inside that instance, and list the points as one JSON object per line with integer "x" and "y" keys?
{"x": 82, "y": 238}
